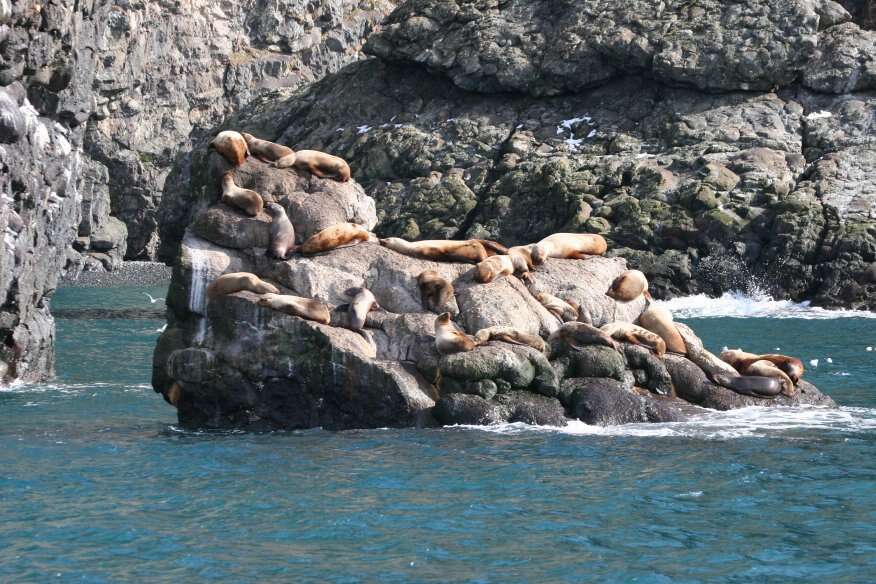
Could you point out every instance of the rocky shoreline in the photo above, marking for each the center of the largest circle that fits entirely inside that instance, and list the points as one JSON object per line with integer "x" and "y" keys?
{"x": 227, "y": 361}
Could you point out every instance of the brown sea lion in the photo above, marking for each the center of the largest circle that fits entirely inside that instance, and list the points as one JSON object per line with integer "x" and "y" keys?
{"x": 578, "y": 335}
{"x": 231, "y": 145}
{"x": 568, "y": 246}
{"x": 282, "y": 231}
{"x": 558, "y": 307}
{"x": 306, "y": 308}
{"x": 250, "y": 202}
{"x": 659, "y": 320}
{"x": 436, "y": 292}
{"x": 338, "y": 235}
{"x": 449, "y": 338}
{"x": 448, "y": 250}
{"x": 792, "y": 366}
{"x": 494, "y": 267}
{"x": 628, "y": 286}
{"x": 492, "y": 247}
{"x": 631, "y": 333}
{"x": 322, "y": 165}
{"x": 510, "y": 335}
{"x": 522, "y": 257}
{"x": 362, "y": 302}
{"x": 277, "y": 155}
{"x": 751, "y": 364}
{"x": 699, "y": 355}
{"x": 238, "y": 282}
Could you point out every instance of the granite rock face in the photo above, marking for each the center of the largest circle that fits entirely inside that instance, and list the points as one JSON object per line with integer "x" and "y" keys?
{"x": 227, "y": 361}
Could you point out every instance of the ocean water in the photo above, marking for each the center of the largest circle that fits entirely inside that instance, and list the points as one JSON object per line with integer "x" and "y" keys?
{"x": 97, "y": 484}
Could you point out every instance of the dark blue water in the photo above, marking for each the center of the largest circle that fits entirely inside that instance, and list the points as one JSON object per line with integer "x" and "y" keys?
{"x": 98, "y": 485}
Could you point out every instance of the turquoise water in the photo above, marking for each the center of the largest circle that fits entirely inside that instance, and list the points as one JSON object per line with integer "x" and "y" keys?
{"x": 98, "y": 485}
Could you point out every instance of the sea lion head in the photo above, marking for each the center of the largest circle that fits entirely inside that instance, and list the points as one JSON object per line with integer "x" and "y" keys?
{"x": 443, "y": 318}
{"x": 275, "y": 210}
{"x": 539, "y": 254}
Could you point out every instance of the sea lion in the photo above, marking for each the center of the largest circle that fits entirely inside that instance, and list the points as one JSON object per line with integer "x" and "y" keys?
{"x": 492, "y": 247}
{"x": 792, "y": 366}
{"x": 568, "y": 246}
{"x": 578, "y": 335}
{"x": 277, "y": 155}
{"x": 322, "y": 165}
{"x": 521, "y": 255}
{"x": 282, "y": 231}
{"x": 558, "y": 307}
{"x": 751, "y": 364}
{"x": 628, "y": 286}
{"x": 631, "y": 333}
{"x": 338, "y": 235}
{"x": 436, "y": 292}
{"x": 510, "y": 335}
{"x": 237, "y": 282}
{"x": 700, "y": 356}
{"x": 450, "y": 250}
{"x": 250, "y": 202}
{"x": 755, "y": 386}
{"x": 306, "y": 308}
{"x": 494, "y": 267}
{"x": 659, "y": 320}
{"x": 449, "y": 338}
{"x": 363, "y": 301}
{"x": 231, "y": 145}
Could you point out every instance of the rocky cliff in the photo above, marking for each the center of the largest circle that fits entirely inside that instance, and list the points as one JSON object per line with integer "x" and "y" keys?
{"x": 229, "y": 361}
{"x": 100, "y": 97}
{"x": 717, "y": 145}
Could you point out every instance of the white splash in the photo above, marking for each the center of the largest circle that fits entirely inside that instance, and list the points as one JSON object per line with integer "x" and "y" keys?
{"x": 757, "y": 305}
{"x": 742, "y": 423}
{"x": 363, "y": 129}
{"x": 819, "y": 115}
{"x": 567, "y": 124}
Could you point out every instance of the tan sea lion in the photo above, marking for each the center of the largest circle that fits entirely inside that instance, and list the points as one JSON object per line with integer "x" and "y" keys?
{"x": 436, "y": 292}
{"x": 521, "y": 255}
{"x": 628, "y": 286}
{"x": 449, "y": 338}
{"x": 449, "y": 250}
{"x": 494, "y": 267}
{"x": 659, "y": 320}
{"x": 631, "y": 333}
{"x": 510, "y": 335}
{"x": 578, "y": 335}
{"x": 492, "y": 247}
{"x": 282, "y": 231}
{"x": 231, "y": 145}
{"x": 568, "y": 246}
{"x": 792, "y": 366}
{"x": 238, "y": 282}
{"x": 277, "y": 155}
{"x": 751, "y": 364}
{"x": 306, "y": 308}
{"x": 362, "y": 302}
{"x": 558, "y": 307}
{"x": 250, "y": 202}
{"x": 322, "y": 165}
{"x": 338, "y": 235}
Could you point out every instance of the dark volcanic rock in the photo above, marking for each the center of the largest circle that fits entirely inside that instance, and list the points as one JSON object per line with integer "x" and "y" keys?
{"x": 606, "y": 402}
{"x": 459, "y": 408}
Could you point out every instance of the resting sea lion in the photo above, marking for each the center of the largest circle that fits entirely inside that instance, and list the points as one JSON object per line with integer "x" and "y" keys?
{"x": 631, "y": 333}
{"x": 338, "y": 235}
{"x": 629, "y": 286}
{"x": 269, "y": 152}
{"x": 578, "y": 335}
{"x": 282, "y": 231}
{"x": 237, "y": 282}
{"x": 436, "y": 292}
{"x": 659, "y": 320}
{"x": 521, "y": 255}
{"x": 450, "y": 250}
{"x": 449, "y": 338}
{"x": 568, "y": 246}
{"x": 231, "y": 145}
{"x": 322, "y": 165}
{"x": 296, "y": 306}
{"x": 792, "y": 366}
{"x": 700, "y": 356}
{"x": 492, "y": 247}
{"x": 509, "y": 335}
{"x": 363, "y": 301}
{"x": 250, "y": 202}
{"x": 751, "y": 364}
{"x": 494, "y": 267}
{"x": 558, "y": 307}
{"x": 765, "y": 387}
